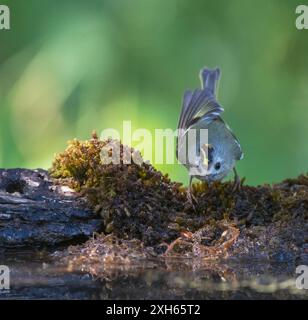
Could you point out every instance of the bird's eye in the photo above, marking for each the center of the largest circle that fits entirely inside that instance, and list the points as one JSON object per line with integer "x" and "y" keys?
{"x": 217, "y": 166}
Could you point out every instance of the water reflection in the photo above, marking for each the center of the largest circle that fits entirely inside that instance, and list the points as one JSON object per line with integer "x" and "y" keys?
{"x": 35, "y": 276}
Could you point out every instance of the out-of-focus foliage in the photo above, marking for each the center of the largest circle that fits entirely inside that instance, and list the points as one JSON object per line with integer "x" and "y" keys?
{"x": 69, "y": 67}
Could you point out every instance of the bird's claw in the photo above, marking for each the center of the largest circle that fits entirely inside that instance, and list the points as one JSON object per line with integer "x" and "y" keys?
{"x": 191, "y": 199}
{"x": 238, "y": 182}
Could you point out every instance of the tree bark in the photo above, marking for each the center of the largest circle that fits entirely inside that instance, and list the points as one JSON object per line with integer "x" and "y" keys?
{"x": 34, "y": 211}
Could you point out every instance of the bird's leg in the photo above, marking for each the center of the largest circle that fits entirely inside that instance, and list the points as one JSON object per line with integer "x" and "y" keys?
{"x": 237, "y": 185}
{"x": 190, "y": 197}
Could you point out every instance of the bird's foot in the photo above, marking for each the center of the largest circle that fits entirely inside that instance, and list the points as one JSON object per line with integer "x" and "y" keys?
{"x": 238, "y": 182}
{"x": 191, "y": 199}
{"x": 237, "y": 185}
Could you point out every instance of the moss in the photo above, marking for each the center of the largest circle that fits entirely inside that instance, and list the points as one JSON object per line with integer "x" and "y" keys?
{"x": 79, "y": 165}
{"x": 134, "y": 200}
{"x": 138, "y": 202}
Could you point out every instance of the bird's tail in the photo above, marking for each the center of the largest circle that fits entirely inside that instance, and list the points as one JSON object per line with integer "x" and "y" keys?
{"x": 209, "y": 79}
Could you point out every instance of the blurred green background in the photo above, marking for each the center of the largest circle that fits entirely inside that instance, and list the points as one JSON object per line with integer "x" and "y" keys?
{"x": 68, "y": 67}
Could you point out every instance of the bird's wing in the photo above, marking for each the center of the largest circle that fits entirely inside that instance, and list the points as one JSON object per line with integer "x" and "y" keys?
{"x": 199, "y": 104}
{"x": 186, "y": 101}
{"x": 239, "y": 152}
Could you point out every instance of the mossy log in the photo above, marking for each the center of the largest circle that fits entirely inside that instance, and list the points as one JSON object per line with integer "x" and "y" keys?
{"x": 139, "y": 212}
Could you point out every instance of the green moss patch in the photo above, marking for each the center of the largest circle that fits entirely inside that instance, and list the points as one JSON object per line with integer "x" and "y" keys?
{"x": 139, "y": 203}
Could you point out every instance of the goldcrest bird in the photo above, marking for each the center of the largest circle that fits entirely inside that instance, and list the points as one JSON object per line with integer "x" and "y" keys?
{"x": 213, "y": 160}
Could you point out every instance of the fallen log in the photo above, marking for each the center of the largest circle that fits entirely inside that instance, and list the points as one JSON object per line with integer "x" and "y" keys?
{"x": 125, "y": 203}
{"x": 35, "y": 212}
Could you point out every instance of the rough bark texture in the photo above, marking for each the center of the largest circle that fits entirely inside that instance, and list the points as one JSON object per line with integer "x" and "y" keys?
{"x": 34, "y": 211}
